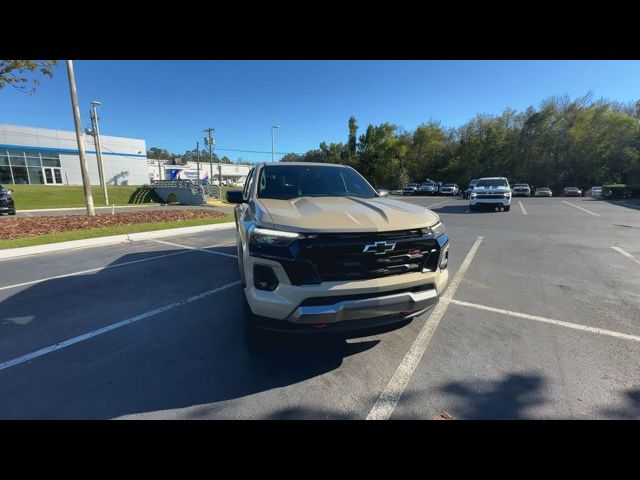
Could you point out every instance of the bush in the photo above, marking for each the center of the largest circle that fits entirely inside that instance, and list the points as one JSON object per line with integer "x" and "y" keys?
{"x": 619, "y": 190}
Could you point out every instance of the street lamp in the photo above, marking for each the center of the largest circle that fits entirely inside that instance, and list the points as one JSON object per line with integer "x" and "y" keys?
{"x": 273, "y": 141}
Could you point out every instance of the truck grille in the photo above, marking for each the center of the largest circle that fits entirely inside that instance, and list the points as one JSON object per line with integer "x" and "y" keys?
{"x": 339, "y": 257}
{"x": 490, "y": 195}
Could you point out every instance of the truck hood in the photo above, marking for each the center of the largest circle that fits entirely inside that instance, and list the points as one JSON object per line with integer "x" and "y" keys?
{"x": 342, "y": 214}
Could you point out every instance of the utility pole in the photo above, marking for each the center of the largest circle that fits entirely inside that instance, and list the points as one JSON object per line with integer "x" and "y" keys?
{"x": 159, "y": 170}
{"x": 273, "y": 141}
{"x": 198, "y": 160}
{"x": 209, "y": 140}
{"x": 96, "y": 140}
{"x": 86, "y": 181}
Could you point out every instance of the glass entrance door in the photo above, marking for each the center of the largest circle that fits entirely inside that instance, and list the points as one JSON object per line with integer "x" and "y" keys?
{"x": 52, "y": 175}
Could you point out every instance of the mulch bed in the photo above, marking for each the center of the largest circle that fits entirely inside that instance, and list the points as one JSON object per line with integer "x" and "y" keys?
{"x": 11, "y": 228}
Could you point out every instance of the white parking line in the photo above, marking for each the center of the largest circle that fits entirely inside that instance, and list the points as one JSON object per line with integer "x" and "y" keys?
{"x": 97, "y": 269}
{"x": 575, "y": 326}
{"x": 626, "y": 254}
{"x": 109, "y": 328}
{"x": 583, "y": 209}
{"x": 199, "y": 249}
{"x": 389, "y": 398}
{"x": 522, "y": 207}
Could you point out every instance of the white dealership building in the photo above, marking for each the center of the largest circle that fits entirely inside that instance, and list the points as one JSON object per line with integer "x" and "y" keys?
{"x": 43, "y": 156}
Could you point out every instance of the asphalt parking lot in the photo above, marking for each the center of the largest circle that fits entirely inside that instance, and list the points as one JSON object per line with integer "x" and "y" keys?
{"x": 541, "y": 320}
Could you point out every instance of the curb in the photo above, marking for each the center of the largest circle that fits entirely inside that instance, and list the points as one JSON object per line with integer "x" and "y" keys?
{"x": 110, "y": 240}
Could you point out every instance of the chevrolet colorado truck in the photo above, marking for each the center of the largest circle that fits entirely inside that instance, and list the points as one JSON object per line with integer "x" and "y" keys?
{"x": 320, "y": 250}
{"x": 491, "y": 192}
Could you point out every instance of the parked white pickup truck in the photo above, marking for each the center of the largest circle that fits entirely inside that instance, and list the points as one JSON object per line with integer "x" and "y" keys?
{"x": 491, "y": 192}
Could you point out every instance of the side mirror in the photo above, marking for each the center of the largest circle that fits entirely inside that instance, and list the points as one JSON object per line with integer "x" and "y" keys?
{"x": 234, "y": 196}
{"x": 383, "y": 192}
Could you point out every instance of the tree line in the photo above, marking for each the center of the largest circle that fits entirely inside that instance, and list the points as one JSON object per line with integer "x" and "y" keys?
{"x": 155, "y": 153}
{"x": 563, "y": 142}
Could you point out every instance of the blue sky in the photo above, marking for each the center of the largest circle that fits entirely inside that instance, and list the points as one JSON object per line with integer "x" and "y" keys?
{"x": 168, "y": 103}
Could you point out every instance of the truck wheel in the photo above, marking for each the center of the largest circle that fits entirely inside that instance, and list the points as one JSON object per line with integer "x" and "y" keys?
{"x": 507, "y": 208}
{"x": 12, "y": 212}
{"x": 472, "y": 208}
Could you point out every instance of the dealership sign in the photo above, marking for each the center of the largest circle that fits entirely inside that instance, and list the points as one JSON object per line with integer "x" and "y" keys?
{"x": 177, "y": 173}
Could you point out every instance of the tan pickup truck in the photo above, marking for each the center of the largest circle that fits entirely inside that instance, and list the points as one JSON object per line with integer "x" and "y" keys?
{"x": 319, "y": 249}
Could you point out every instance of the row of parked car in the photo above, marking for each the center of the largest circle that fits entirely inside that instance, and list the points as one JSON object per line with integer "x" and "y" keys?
{"x": 518, "y": 190}
{"x": 431, "y": 188}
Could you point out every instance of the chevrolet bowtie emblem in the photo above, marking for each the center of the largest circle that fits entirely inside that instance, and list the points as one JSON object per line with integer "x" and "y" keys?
{"x": 380, "y": 248}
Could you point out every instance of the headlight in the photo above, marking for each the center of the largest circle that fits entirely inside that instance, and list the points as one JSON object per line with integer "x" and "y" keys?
{"x": 435, "y": 230}
{"x": 277, "y": 238}
{"x": 474, "y": 195}
{"x": 507, "y": 195}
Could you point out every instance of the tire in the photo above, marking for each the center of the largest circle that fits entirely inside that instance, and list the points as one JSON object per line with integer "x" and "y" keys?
{"x": 472, "y": 208}
{"x": 507, "y": 208}
{"x": 12, "y": 212}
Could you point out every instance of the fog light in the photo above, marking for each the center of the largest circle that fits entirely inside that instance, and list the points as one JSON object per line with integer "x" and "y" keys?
{"x": 264, "y": 278}
{"x": 444, "y": 258}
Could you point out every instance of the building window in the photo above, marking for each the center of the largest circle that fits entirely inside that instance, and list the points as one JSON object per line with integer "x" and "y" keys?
{"x": 48, "y": 162}
{"x": 17, "y": 161}
{"x": 28, "y": 166}
{"x": 20, "y": 175}
{"x": 5, "y": 175}
{"x": 36, "y": 176}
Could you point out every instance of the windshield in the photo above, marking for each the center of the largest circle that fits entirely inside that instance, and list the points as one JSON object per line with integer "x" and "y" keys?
{"x": 448, "y": 185}
{"x": 491, "y": 183}
{"x": 521, "y": 185}
{"x": 291, "y": 181}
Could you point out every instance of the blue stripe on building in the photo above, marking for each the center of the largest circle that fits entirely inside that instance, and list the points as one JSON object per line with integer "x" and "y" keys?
{"x": 69, "y": 151}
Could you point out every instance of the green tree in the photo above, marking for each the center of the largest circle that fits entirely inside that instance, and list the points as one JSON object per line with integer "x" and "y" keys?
{"x": 21, "y": 74}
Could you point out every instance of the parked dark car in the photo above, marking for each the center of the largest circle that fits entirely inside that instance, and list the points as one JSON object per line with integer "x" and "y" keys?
{"x": 7, "y": 205}
{"x": 467, "y": 193}
{"x": 571, "y": 192}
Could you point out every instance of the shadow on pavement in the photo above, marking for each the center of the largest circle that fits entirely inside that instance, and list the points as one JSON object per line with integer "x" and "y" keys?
{"x": 630, "y": 412}
{"x": 192, "y": 355}
{"x": 452, "y": 209}
{"x": 508, "y": 398}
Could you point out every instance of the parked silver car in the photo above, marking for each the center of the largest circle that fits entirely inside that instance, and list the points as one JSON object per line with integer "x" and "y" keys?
{"x": 543, "y": 192}
{"x": 450, "y": 189}
{"x": 428, "y": 188}
{"x": 410, "y": 189}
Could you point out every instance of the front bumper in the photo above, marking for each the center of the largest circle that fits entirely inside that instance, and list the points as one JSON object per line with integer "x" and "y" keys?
{"x": 503, "y": 202}
{"x": 375, "y": 307}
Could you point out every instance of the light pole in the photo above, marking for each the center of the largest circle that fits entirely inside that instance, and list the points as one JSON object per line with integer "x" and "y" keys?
{"x": 95, "y": 130}
{"x": 209, "y": 140}
{"x": 86, "y": 181}
{"x": 273, "y": 141}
